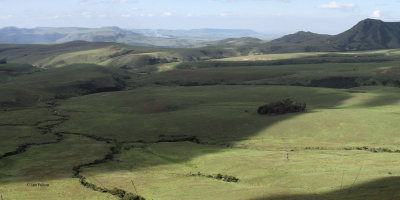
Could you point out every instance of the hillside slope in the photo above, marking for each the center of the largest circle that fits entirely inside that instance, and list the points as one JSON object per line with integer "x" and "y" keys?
{"x": 369, "y": 34}
{"x": 106, "y": 54}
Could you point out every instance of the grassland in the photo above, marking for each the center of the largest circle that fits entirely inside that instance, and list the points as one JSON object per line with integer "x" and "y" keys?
{"x": 105, "y": 132}
{"x": 322, "y": 144}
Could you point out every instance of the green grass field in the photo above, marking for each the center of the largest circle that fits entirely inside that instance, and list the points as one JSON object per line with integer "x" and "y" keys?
{"x": 87, "y": 131}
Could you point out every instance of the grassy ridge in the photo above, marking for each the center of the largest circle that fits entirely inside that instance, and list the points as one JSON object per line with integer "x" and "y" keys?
{"x": 73, "y": 80}
{"x": 107, "y": 54}
{"x": 324, "y": 74}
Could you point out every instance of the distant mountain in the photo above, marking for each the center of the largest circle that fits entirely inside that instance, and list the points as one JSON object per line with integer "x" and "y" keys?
{"x": 203, "y": 33}
{"x": 28, "y": 36}
{"x": 301, "y": 37}
{"x": 239, "y": 41}
{"x": 369, "y": 34}
{"x": 61, "y": 35}
{"x": 138, "y": 37}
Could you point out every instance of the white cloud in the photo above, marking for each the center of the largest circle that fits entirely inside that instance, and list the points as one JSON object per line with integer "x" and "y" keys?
{"x": 376, "y": 14}
{"x": 84, "y": 3}
{"x": 126, "y": 15}
{"x": 3, "y": 17}
{"x": 222, "y": 14}
{"x": 98, "y": 2}
{"x": 337, "y": 5}
{"x": 232, "y": 1}
{"x": 147, "y": 15}
{"x": 167, "y": 14}
{"x": 86, "y": 15}
{"x": 54, "y": 17}
{"x": 121, "y": 1}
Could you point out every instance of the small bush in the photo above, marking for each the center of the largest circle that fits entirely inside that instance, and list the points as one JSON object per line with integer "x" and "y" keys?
{"x": 230, "y": 179}
{"x": 3, "y": 61}
{"x": 117, "y": 192}
{"x": 281, "y": 107}
{"x": 130, "y": 196}
{"x": 218, "y": 177}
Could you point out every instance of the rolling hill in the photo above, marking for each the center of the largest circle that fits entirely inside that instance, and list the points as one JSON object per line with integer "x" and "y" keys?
{"x": 107, "y": 54}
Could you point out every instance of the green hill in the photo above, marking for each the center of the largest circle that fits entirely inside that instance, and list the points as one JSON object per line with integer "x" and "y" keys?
{"x": 369, "y": 34}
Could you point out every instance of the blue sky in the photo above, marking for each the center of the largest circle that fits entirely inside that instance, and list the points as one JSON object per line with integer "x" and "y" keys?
{"x": 267, "y": 16}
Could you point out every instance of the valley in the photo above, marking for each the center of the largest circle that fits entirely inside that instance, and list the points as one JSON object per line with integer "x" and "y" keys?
{"x": 105, "y": 120}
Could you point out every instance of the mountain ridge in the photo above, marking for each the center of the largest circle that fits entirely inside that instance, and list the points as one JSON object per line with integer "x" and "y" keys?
{"x": 368, "y": 34}
{"x": 139, "y": 37}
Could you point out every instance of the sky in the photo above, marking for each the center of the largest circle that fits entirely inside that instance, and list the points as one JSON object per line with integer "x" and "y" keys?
{"x": 265, "y": 16}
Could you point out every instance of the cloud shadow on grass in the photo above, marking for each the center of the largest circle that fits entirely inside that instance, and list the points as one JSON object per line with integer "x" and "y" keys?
{"x": 380, "y": 189}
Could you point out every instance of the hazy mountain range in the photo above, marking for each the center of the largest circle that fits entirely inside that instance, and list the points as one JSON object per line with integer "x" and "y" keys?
{"x": 139, "y": 37}
{"x": 368, "y": 34}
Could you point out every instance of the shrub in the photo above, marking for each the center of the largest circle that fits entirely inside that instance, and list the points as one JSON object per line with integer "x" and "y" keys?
{"x": 219, "y": 176}
{"x": 117, "y": 192}
{"x": 281, "y": 107}
{"x": 230, "y": 179}
{"x": 3, "y": 61}
{"x": 130, "y": 196}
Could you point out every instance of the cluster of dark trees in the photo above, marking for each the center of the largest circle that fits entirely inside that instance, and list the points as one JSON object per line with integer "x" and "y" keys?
{"x": 281, "y": 107}
{"x": 226, "y": 178}
{"x": 122, "y": 194}
{"x": 3, "y": 61}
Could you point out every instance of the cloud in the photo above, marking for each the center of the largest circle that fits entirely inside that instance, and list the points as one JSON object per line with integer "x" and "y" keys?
{"x": 126, "y": 15}
{"x": 3, "y": 17}
{"x": 167, "y": 14}
{"x": 86, "y": 15}
{"x": 231, "y": 1}
{"x": 122, "y": 1}
{"x": 97, "y": 2}
{"x": 222, "y": 14}
{"x": 337, "y": 5}
{"x": 147, "y": 15}
{"x": 376, "y": 14}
